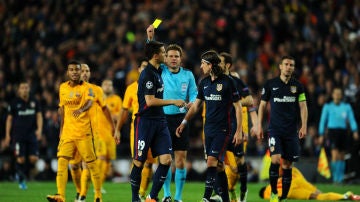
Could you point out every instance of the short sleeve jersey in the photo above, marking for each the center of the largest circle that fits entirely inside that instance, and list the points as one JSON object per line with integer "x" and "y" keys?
{"x": 284, "y": 101}
{"x": 180, "y": 85}
{"x": 96, "y": 113}
{"x": 219, "y": 96}
{"x": 24, "y": 117}
{"x": 243, "y": 92}
{"x": 150, "y": 83}
{"x": 72, "y": 98}
{"x": 130, "y": 99}
{"x": 114, "y": 103}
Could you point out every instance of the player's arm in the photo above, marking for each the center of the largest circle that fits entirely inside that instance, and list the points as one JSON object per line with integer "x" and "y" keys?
{"x": 8, "y": 126}
{"x": 152, "y": 101}
{"x": 123, "y": 116}
{"x": 150, "y": 31}
{"x": 108, "y": 116}
{"x": 192, "y": 111}
{"x": 254, "y": 119}
{"x": 247, "y": 101}
{"x": 83, "y": 108}
{"x": 238, "y": 136}
{"x": 304, "y": 118}
{"x": 192, "y": 91}
{"x": 39, "y": 124}
{"x": 61, "y": 114}
{"x": 261, "y": 111}
{"x": 353, "y": 124}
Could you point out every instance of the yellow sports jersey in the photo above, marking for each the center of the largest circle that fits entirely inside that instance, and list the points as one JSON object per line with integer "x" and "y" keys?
{"x": 300, "y": 188}
{"x": 114, "y": 102}
{"x": 130, "y": 99}
{"x": 96, "y": 112}
{"x": 73, "y": 98}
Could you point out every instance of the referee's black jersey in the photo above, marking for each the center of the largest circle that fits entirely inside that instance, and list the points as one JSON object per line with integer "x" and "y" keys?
{"x": 150, "y": 83}
{"x": 219, "y": 96}
{"x": 24, "y": 122}
{"x": 284, "y": 103}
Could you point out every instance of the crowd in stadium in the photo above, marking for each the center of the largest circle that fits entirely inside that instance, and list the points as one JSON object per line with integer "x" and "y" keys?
{"x": 39, "y": 38}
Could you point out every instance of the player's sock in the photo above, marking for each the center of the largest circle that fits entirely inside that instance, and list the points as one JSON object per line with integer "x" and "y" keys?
{"x": 286, "y": 182}
{"x": 167, "y": 183}
{"x": 180, "y": 177}
{"x": 341, "y": 171}
{"x": 75, "y": 172}
{"x": 242, "y": 169}
{"x": 209, "y": 182}
{"x": 145, "y": 180}
{"x": 330, "y": 196}
{"x": 159, "y": 179}
{"x": 85, "y": 176}
{"x": 62, "y": 175}
{"x": 135, "y": 178}
{"x": 334, "y": 170}
{"x": 103, "y": 169}
{"x": 231, "y": 177}
{"x": 222, "y": 186}
{"x": 95, "y": 177}
{"x": 274, "y": 175}
{"x": 20, "y": 171}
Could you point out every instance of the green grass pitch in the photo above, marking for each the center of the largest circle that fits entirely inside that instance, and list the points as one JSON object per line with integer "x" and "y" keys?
{"x": 121, "y": 192}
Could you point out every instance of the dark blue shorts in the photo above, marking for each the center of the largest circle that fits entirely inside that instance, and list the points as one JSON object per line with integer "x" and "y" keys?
{"x": 26, "y": 147}
{"x": 237, "y": 150}
{"x": 151, "y": 133}
{"x": 286, "y": 144}
{"x": 216, "y": 145}
{"x": 178, "y": 143}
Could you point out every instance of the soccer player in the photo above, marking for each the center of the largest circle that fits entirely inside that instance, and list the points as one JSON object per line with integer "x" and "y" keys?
{"x": 235, "y": 157}
{"x": 179, "y": 83}
{"x": 221, "y": 96}
{"x": 24, "y": 125}
{"x": 76, "y": 134}
{"x": 335, "y": 116}
{"x": 151, "y": 130}
{"x": 102, "y": 126}
{"x": 287, "y": 99}
{"x": 107, "y": 142}
{"x": 130, "y": 103}
{"x": 301, "y": 189}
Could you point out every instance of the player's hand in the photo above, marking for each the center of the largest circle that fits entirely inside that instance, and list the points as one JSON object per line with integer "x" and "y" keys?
{"x": 179, "y": 130}
{"x": 356, "y": 136}
{"x": 302, "y": 132}
{"x": 150, "y": 31}
{"x": 179, "y": 103}
{"x": 259, "y": 132}
{"x": 38, "y": 134}
{"x": 253, "y": 131}
{"x": 320, "y": 140}
{"x": 238, "y": 138}
{"x": 117, "y": 137}
{"x": 77, "y": 113}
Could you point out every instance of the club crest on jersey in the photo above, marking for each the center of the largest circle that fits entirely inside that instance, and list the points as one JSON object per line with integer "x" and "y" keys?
{"x": 293, "y": 89}
{"x": 140, "y": 153}
{"x": 272, "y": 148}
{"x": 77, "y": 94}
{"x": 219, "y": 87}
{"x": 32, "y": 104}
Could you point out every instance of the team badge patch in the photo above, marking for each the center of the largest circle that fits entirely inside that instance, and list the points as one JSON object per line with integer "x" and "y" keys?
{"x": 219, "y": 87}
{"x": 32, "y": 104}
{"x": 272, "y": 148}
{"x": 149, "y": 85}
{"x": 140, "y": 153}
{"x": 293, "y": 89}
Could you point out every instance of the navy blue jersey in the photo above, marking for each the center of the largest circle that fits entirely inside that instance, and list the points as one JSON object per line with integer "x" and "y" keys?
{"x": 243, "y": 92}
{"x": 24, "y": 122}
{"x": 219, "y": 96}
{"x": 284, "y": 103}
{"x": 150, "y": 83}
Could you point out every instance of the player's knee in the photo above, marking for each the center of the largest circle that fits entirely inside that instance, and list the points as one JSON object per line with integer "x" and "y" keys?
{"x": 33, "y": 159}
{"x": 212, "y": 161}
{"x": 75, "y": 166}
{"x": 138, "y": 163}
{"x": 165, "y": 159}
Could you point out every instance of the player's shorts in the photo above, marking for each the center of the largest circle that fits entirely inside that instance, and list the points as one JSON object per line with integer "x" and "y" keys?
{"x": 151, "y": 133}
{"x": 26, "y": 147}
{"x": 150, "y": 158}
{"x": 182, "y": 142}
{"x": 85, "y": 147}
{"x": 338, "y": 139}
{"x": 216, "y": 145}
{"x": 237, "y": 150}
{"x": 107, "y": 148}
{"x": 286, "y": 144}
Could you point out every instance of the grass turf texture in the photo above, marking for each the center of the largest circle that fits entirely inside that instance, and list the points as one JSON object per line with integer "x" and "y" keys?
{"x": 121, "y": 192}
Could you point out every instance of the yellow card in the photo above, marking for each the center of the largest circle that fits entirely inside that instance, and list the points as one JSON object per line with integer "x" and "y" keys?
{"x": 156, "y": 23}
